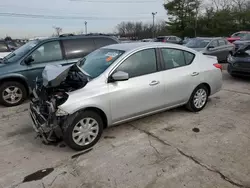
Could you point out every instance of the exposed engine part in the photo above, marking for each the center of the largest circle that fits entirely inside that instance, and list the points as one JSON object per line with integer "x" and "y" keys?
{"x": 51, "y": 92}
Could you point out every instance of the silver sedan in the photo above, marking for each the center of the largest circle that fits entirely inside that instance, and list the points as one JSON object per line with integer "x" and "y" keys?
{"x": 131, "y": 80}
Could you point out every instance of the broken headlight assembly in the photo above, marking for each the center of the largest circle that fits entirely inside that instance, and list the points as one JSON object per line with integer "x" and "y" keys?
{"x": 61, "y": 112}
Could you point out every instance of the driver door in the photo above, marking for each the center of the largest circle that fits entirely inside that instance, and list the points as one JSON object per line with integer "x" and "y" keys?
{"x": 142, "y": 93}
{"x": 47, "y": 53}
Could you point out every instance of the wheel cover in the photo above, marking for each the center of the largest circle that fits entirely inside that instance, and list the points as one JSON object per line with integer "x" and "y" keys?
{"x": 85, "y": 131}
{"x": 200, "y": 98}
{"x": 12, "y": 94}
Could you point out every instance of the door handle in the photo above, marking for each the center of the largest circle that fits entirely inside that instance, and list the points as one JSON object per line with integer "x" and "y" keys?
{"x": 154, "y": 82}
{"x": 195, "y": 74}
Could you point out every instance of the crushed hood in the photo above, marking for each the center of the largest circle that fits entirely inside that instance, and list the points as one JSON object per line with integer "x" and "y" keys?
{"x": 54, "y": 75}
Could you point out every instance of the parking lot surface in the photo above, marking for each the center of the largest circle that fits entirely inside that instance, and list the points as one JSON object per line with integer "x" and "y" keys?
{"x": 175, "y": 148}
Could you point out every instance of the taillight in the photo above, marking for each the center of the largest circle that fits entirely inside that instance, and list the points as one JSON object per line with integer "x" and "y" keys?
{"x": 164, "y": 40}
{"x": 219, "y": 66}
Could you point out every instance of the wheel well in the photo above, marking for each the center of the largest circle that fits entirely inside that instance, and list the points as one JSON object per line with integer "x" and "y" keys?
{"x": 19, "y": 80}
{"x": 101, "y": 113}
{"x": 208, "y": 87}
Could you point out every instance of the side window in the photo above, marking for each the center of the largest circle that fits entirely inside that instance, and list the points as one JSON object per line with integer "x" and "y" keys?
{"x": 172, "y": 38}
{"x": 78, "y": 48}
{"x": 178, "y": 39}
{"x": 50, "y": 51}
{"x": 189, "y": 57}
{"x": 102, "y": 41}
{"x": 173, "y": 58}
{"x": 140, "y": 63}
{"x": 3, "y": 47}
{"x": 214, "y": 43}
{"x": 222, "y": 42}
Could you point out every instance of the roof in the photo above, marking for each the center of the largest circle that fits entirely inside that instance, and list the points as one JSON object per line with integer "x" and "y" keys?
{"x": 75, "y": 37}
{"x": 210, "y": 38}
{"x": 166, "y": 36}
{"x": 136, "y": 45}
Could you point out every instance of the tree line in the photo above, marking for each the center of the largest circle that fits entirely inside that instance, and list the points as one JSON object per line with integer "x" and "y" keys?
{"x": 190, "y": 18}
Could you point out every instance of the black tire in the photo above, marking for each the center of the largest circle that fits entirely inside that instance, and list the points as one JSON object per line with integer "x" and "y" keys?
{"x": 68, "y": 131}
{"x": 190, "y": 105}
{"x": 5, "y": 85}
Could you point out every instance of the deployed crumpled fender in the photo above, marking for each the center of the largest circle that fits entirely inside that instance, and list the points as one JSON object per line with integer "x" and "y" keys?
{"x": 54, "y": 75}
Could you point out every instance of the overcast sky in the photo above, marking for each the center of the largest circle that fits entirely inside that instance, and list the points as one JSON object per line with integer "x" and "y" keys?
{"x": 101, "y": 15}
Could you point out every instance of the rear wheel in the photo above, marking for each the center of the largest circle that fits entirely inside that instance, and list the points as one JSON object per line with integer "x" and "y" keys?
{"x": 85, "y": 131}
{"x": 198, "y": 99}
{"x": 12, "y": 93}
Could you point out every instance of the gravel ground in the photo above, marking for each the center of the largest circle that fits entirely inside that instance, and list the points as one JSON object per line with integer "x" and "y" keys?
{"x": 175, "y": 148}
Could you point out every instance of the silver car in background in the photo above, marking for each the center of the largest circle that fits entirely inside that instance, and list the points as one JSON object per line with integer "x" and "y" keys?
{"x": 218, "y": 47}
{"x": 120, "y": 83}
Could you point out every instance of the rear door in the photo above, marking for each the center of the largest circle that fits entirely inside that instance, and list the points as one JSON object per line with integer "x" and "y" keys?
{"x": 215, "y": 50}
{"x": 49, "y": 53}
{"x": 76, "y": 49}
{"x": 179, "y": 76}
{"x": 225, "y": 48}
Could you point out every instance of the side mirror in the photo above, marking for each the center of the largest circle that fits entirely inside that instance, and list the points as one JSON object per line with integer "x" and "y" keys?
{"x": 118, "y": 76}
{"x": 28, "y": 60}
{"x": 210, "y": 47}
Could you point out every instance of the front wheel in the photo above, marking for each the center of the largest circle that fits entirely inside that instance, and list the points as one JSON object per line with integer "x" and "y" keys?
{"x": 198, "y": 99}
{"x": 85, "y": 131}
{"x": 12, "y": 93}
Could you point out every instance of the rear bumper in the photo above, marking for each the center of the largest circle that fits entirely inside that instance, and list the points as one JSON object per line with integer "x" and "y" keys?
{"x": 238, "y": 71}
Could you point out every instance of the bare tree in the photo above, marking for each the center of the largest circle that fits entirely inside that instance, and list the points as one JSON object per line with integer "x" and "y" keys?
{"x": 223, "y": 4}
{"x": 121, "y": 28}
{"x": 58, "y": 30}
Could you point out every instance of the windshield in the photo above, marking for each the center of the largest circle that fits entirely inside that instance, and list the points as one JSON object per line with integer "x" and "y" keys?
{"x": 239, "y": 35}
{"x": 98, "y": 61}
{"x": 21, "y": 51}
{"x": 198, "y": 43}
{"x": 246, "y": 37}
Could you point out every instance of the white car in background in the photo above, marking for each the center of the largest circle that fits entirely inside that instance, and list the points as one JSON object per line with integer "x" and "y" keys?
{"x": 4, "y": 49}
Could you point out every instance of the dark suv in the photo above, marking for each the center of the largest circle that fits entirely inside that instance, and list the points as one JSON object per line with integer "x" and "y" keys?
{"x": 239, "y": 62}
{"x": 19, "y": 69}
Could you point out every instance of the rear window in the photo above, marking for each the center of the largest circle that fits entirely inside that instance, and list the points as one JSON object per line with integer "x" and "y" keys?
{"x": 78, "y": 48}
{"x": 102, "y": 41}
{"x": 160, "y": 39}
{"x": 222, "y": 42}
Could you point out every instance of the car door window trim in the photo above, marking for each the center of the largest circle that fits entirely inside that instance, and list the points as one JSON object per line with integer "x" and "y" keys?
{"x": 130, "y": 54}
{"x": 183, "y": 51}
{"x": 48, "y": 61}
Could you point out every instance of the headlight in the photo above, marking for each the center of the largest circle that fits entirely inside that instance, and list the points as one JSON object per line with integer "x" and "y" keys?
{"x": 61, "y": 112}
{"x": 235, "y": 64}
{"x": 230, "y": 58}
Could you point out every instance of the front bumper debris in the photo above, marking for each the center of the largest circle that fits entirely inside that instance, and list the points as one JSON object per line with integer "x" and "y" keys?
{"x": 38, "y": 122}
{"x": 48, "y": 130}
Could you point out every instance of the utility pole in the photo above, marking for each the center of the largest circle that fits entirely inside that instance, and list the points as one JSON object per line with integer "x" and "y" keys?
{"x": 153, "y": 14}
{"x": 86, "y": 27}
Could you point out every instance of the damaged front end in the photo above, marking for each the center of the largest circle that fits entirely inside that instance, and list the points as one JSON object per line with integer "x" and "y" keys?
{"x": 50, "y": 92}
